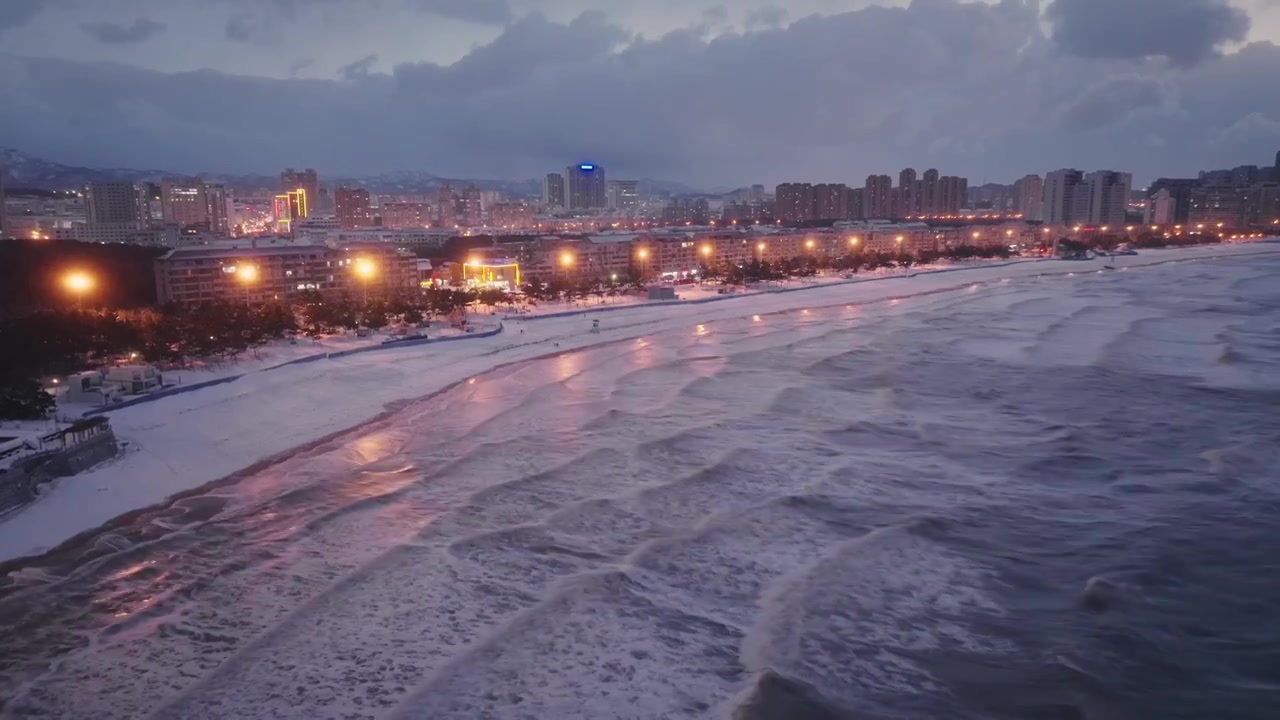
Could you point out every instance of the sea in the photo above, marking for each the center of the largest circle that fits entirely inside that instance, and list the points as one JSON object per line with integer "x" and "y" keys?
{"x": 1053, "y": 497}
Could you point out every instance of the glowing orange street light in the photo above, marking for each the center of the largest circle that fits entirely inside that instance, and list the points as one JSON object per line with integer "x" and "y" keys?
{"x": 365, "y": 270}
{"x": 853, "y": 241}
{"x": 79, "y": 283}
{"x": 706, "y": 250}
{"x": 760, "y": 247}
{"x": 566, "y": 259}
{"x": 898, "y": 239}
{"x": 809, "y": 243}
{"x": 247, "y": 273}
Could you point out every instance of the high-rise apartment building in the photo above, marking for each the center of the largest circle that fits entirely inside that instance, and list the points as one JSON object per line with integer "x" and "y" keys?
{"x": 908, "y": 202}
{"x": 875, "y": 199}
{"x": 831, "y": 201}
{"x": 1066, "y": 197}
{"x": 553, "y": 190}
{"x": 1180, "y": 192}
{"x": 1161, "y": 209}
{"x": 307, "y": 180}
{"x": 217, "y": 209}
{"x": 794, "y": 203}
{"x": 119, "y": 204}
{"x": 352, "y": 206}
{"x": 183, "y": 201}
{"x": 584, "y": 187}
{"x": 953, "y": 194}
{"x": 857, "y": 209}
{"x": 624, "y": 195}
{"x": 1108, "y": 196}
{"x": 929, "y": 193}
{"x": 446, "y": 207}
{"x": 1028, "y": 197}
{"x": 470, "y": 213}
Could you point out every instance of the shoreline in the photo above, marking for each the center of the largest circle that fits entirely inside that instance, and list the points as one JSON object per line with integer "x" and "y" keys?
{"x": 185, "y": 444}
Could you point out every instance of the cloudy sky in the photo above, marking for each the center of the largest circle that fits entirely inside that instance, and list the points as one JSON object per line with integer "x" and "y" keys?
{"x": 710, "y": 92}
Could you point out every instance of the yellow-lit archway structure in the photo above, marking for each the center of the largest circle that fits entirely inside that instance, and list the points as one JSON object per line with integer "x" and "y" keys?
{"x": 491, "y": 273}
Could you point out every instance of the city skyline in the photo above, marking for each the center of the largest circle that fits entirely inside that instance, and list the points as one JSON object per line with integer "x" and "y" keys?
{"x": 993, "y": 91}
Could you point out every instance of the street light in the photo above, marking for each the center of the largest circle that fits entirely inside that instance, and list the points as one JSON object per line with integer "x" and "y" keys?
{"x": 809, "y": 243}
{"x": 365, "y": 270}
{"x": 247, "y": 273}
{"x": 79, "y": 283}
{"x": 853, "y": 241}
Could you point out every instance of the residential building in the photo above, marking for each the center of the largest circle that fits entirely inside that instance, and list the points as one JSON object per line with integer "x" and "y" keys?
{"x": 1179, "y": 192}
{"x": 256, "y": 273}
{"x": 876, "y": 197}
{"x": 1161, "y": 209}
{"x": 553, "y": 190}
{"x": 1108, "y": 196}
{"x": 115, "y": 203}
{"x": 831, "y": 201}
{"x": 1263, "y": 206}
{"x": 1066, "y": 198}
{"x": 953, "y": 195}
{"x": 405, "y": 215}
{"x": 352, "y": 206}
{"x": 307, "y": 180}
{"x": 624, "y": 195}
{"x": 929, "y": 193}
{"x": 446, "y": 207}
{"x": 794, "y": 203}
{"x": 1028, "y": 197}
{"x": 584, "y": 187}
{"x": 470, "y": 213}
{"x": 511, "y": 216}
{"x": 908, "y": 201}
{"x": 184, "y": 202}
{"x": 1218, "y": 204}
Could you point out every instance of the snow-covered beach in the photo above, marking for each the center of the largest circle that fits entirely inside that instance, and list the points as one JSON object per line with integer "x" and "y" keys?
{"x": 180, "y": 443}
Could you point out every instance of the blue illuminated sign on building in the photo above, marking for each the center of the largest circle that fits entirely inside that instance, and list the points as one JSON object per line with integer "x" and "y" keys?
{"x": 586, "y": 167}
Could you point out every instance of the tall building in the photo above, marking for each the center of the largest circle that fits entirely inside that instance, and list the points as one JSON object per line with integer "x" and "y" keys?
{"x": 553, "y": 190}
{"x": 351, "y": 205}
{"x": 929, "y": 193}
{"x": 831, "y": 201}
{"x": 584, "y": 187}
{"x": 288, "y": 207}
{"x": 908, "y": 202}
{"x": 1216, "y": 204}
{"x": 1180, "y": 192}
{"x": 307, "y": 180}
{"x": 953, "y": 194}
{"x": 183, "y": 201}
{"x": 857, "y": 209}
{"x": 470, "y": 213}
{"x": 875, "y": 198}
{"x": 1066, "y": 198}
{"x": 216, "y": 208}
{"x": 624, "y": 195}
{"x": 3, "y": 218}
{"x": 1028, "y": 197}
{"x": 115, "y": 203}
{"x": 446, "y": 207}
{"x": 1160, "y": 209}
{"x": 794, "y": 203}
{"x": 1108, "y": 196}
{"x": 405, "y": 215}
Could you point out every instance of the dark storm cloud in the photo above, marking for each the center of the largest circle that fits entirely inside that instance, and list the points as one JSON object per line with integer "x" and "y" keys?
{"x": 111, "y": 33}
{"x": 765, "y": 18}
{"x": 974, "y": 88}
{"x": 489, "y": 12}
{"x": 14, "y": 13}
{"x": 359, "y": 68}
{"x": 240, "y": 29}
{"x": 1185, "y": 31}
{"x": 1112, "y": 100}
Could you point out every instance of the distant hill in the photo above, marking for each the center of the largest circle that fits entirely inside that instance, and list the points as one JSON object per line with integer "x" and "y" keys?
{"x": 24, "y": 171}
